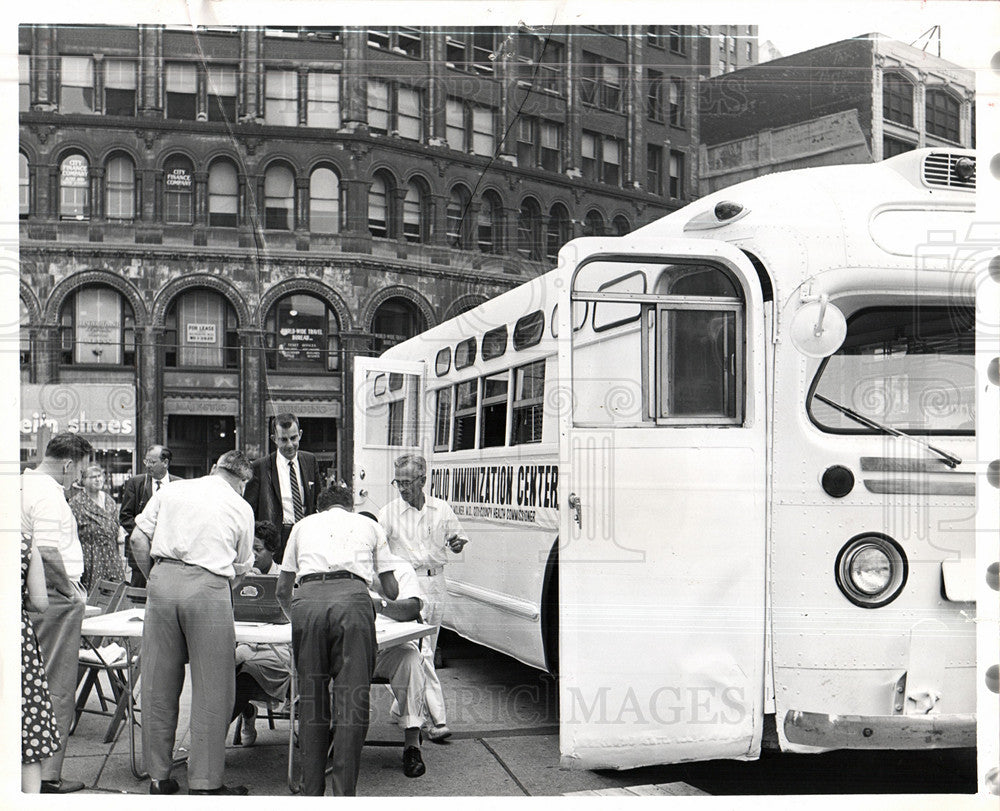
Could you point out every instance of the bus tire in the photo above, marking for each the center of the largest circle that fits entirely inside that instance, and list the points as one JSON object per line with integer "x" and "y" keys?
{"x": 550, "y": 610}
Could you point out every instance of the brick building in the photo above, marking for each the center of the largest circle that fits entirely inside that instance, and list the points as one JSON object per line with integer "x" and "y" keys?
{"x": 853, "y": 101}
{"x": 215, "y": 222}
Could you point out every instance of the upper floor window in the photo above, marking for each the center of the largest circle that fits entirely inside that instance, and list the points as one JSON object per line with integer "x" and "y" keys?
{"x": 409, "y": 113}
{"x": 395, "y": 109}
{"x": 281, "y": 98}
{"x": 119, "y": 87}
{"x": 301, "y": 334}
{"x": 97, "y": 326}
{"x": 223, "y": 194}
{"x": 893, "y": 146}
{"x": 405, "y": 41}
{"x": 677, "y": 39}
{"x": 222, "y": 93}
{"x": 119, "y": 191}
{"x": 942, "y": 114}
{"x": 23, "y": 186}
{"x": 178, "y": 190}
{"x": 655, "y": 35}
{"x": 558, "y": 232}
{"x": 529, "y": 229}
{"x": 76, "y": 84}
{"x": 539, "y": 144}
{"x": 378, "y": 207}
{"x": 24, "y": 335}
{"x": 897, "y": 99}
{"x": 323, "y": 99}
{"x": 601, "y": 82}
{"x": 458, "y": 205}
{"x": 471, "y": 49}
{"x": 489, "y": 224}
{"x": 395, "y": 321}
{"x": 279, "y": 198}
{"x": 469, "y": 127}
{"x": 654, "y": 168}
{"x": 542, "y": 62}
{"x": 415, "y": 216}
{"x": 654, "y": 95}
{"x": 676, "y": 173}
{"x": 23, "y": 82}
{"x": 601, "y": 158}
{"x": 324, "y": 201}
{"x": 182, "y": 90}
{"x": 201, "y": 330}
{"x": 676, "y": 102}
{"x": 593, "y": 224}
{"x": 74, "y": 188}
{"x": 620, "y": 226}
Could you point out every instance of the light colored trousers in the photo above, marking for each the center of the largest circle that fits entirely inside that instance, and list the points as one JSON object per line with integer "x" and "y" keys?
{"x": 58, "y": 634}
{"x": 189, "y": 617}
{"x": 403, "y": 666}
{"x": 434, "y": 593}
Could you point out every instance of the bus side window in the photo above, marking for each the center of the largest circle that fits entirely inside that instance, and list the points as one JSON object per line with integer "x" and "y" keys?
{"x": 529, "y": 388}
{"x": 442, "y": 420}
{"x": 493, "y": 425}
{"x": 466, "y": 401}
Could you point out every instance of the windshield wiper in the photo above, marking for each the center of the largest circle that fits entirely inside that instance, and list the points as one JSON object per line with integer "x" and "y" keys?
{"x": 950, "y": 459}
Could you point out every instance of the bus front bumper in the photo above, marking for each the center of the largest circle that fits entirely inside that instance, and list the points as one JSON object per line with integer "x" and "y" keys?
{"x": 880, "y": 731}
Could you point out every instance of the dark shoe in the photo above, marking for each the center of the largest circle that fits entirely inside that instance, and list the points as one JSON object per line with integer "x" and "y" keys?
{"x": 227, "y": 791}
{"x": 61, "y": 786}
{"x": 166, "y": 786}
{"x": 249, "y": 724}
{"x": 439, "y": 733}
{"x": 413, "y": 763}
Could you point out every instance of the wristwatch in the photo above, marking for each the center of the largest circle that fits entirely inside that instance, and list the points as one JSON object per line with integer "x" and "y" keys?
{"x": 384, "y": 604}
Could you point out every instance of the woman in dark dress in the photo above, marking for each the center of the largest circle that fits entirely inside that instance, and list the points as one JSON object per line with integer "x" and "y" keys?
{"x": 97, "y": 525}
{"x": 39, "y": 734}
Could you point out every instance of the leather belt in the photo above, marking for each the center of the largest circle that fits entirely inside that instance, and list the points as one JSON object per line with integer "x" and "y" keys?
{"x": 430, "y": 572}
{"x": 340, "y": 574}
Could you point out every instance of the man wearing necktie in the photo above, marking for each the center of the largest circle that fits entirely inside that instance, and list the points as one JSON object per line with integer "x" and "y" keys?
{"x": 136, "y": 495}
{"x": 285, "y": 482}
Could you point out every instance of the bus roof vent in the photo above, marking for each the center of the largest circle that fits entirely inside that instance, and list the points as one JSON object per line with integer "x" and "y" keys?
{"x": 950, "y": 171}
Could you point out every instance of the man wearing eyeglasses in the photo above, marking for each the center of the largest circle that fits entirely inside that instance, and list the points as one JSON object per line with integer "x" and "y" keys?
{"x": 136, "y": 495}
{"x": 420, "y": 529}
{"x": 285, "y": 482}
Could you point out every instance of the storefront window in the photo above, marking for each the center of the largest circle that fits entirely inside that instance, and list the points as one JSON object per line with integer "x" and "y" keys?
{"x": 201, "y": 330}
{"x": 301, "y": 334}
{"x": 97, "y": 327}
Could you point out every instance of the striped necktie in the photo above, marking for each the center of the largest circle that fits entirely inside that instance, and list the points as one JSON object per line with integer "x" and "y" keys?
{"x": 297, "y": 507}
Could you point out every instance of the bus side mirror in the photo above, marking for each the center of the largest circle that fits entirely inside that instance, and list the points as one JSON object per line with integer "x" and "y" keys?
{"x": 818, "y": 328}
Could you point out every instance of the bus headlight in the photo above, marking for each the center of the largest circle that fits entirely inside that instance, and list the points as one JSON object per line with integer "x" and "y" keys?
{"x": 871, "y": 570}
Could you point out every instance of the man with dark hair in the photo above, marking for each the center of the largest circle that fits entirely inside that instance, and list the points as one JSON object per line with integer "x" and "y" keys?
{"x": 199, "y": 534}
{"x": 285, "y": 482}
{"x": 47, "y": 519}
{"x": 136, "y": 495}
{"x": 335, "y": 555}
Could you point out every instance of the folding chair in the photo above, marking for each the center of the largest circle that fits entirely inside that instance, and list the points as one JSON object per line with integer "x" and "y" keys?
{"x": 132, "y": 597}
{"x": 106, "y": 595}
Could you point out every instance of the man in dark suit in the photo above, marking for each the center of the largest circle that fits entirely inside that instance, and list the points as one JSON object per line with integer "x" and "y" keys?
{"x": 285, "y": 482}
{"x": 136, "y": 494}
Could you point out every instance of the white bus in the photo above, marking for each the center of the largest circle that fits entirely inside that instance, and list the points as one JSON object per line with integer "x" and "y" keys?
{"x": 712, "y": 470}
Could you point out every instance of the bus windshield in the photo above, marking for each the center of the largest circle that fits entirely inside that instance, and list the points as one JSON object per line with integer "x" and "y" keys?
{"x": 909, "y": 368}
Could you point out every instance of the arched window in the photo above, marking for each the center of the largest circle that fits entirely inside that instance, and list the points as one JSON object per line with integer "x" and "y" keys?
{"x": 415, "y": 218}
{"x": 324, "y": 201}
{"x": 897, "y": 99}
{"x": 620, "y": 226}
{"x": 593, "y": 224}
{"x": 279, "y": 198}
{"x": 74, "y": 187}
{"x": 458, "y": 204}
{"x": 119, "y": 188}
{"x": 97, "y": 327}
{"x": 557, "y": 234}
{"x": 201, "y": 330}
{"x": 378, "y": 207}
{"x": 395, "y": 321}
{"x": 529, "y": 220}
{"x": 223, "y": 194}
{"x": 25, "y": 341}
{"x": 942, "y": 114}
{"x": 489, "y": 228}
{"x": 301, "y": 334}
{"x": 23, "y": 186}
{"x": 178, "y": 185}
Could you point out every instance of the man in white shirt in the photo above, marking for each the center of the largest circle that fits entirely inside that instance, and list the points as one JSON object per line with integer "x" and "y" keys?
{"x": 199, "y": 535}
{"x": 335, "y": 556}
{"x": 47, "y": 519}
{"x": 420, "y": 529}
{"x": 402, "y": 665}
